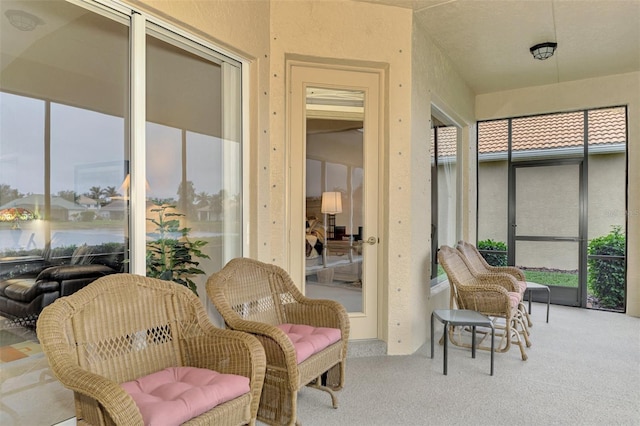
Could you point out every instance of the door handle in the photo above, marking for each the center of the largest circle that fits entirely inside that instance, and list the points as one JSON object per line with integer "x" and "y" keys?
{"x": 371, "y": 241}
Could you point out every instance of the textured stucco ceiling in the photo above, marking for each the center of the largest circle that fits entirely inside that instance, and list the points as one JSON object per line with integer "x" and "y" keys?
{"x": 489, "y": 40}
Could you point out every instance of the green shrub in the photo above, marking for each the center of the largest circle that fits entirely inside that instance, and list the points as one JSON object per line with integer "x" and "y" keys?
{"x": 172, "y": 256}
{"x": 606, "y": 277}
{"x": 493, "y": 259}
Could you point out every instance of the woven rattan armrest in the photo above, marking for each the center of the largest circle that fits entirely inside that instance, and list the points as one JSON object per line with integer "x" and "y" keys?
{"x": 277, "y": 346}
{"x": 508, "y": 282}
{"x": 216, "y": 348}
{"x": 489, "y": 299}
{"x": 318, "y": 313}
{"x": 511, "y": 270}
{"x": 116, "y": 401}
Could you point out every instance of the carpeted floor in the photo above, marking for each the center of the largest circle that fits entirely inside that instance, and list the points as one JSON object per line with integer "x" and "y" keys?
{"x": 29, "y": 394}
{"x": 583, "y": 369}
{"x": 17, "y": 343}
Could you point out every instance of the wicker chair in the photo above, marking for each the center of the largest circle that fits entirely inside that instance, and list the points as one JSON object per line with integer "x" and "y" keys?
{"x": 123, "y": 328}
{"x": 260, "y": 298}
{"x": 487, "y": 295}
{"x": 479, "y": 266}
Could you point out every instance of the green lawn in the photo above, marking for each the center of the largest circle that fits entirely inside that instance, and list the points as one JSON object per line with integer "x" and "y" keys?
{"x": 562, "y": 279}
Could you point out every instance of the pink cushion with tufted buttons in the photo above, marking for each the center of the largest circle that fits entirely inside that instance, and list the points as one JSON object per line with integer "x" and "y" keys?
{"x": 176, "y": 394}
{"x": 522, "y": 285}
{"x": 308, "y": 340}
{"x": 514, "y": 298}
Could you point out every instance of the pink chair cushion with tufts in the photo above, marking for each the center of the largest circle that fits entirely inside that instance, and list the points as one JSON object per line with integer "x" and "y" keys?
{"x": 514, "y": 298}
{"x": 522, "y": 285}
{"x": 308, "y": 340}
{"x": 176, "y": 394}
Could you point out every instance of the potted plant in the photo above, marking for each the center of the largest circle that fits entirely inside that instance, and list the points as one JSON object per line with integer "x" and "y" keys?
{"x": 172, "y": 256}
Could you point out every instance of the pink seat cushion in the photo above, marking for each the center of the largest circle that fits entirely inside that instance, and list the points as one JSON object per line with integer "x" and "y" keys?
{"x": 522, "y": 285}
{"x": 176, "y": 394}
{"x": 308, "y": 340}
{"x": 514, "y": 299}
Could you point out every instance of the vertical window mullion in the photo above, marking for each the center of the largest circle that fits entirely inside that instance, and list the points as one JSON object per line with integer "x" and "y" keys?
{"x": 231, "y": 109}
{"x": 137, "y": 198}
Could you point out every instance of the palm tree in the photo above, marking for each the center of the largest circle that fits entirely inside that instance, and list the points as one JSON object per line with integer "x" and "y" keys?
{"x": 95, "y": 192}
{"x": 202, "y": 199}
{"x": 110, "y": 192}
{"x": 186, "y": 195}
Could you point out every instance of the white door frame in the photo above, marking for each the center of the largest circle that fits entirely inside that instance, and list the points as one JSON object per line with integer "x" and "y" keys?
{"x": 300, "y": 75}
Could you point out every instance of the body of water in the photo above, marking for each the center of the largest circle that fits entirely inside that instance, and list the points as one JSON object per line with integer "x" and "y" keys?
{"x": 26, "y": 239}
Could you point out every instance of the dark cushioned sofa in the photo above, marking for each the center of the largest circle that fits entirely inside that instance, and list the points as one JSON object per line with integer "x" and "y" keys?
{"x": 23, "y": 297}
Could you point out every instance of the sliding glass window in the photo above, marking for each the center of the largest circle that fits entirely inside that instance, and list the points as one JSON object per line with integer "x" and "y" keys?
{"x": 101, "y": 107}
{"x": 63, "y": 107}
{"x": 443, "y": 153}
{"x": 193, "y": 152}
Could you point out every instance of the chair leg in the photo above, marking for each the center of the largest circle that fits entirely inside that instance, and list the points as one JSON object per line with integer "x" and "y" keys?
{"x": 515, "y": 334}
{"x": 519, "y": 321}
{"x": 525, "y": 313}
{"x": 317, "y": 384}
{"x": 523, "y": 323}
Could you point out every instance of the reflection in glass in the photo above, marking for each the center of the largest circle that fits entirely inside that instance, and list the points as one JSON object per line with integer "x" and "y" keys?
{"x": 62, "y": 137}
{"x": 334, "y": 146}
{"x": 443, "y": 152}
{"x": 63, "y": 104}
{"x": 193, "y": 154}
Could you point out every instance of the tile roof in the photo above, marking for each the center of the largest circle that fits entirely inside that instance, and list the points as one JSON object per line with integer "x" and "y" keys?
{"x": 563, "y": 130}
{"x": 447, "y": 141}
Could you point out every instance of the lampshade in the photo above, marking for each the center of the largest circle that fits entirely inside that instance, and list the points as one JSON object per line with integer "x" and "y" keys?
{"x": 331, "y": 202}
{"x": 543, "y": 51}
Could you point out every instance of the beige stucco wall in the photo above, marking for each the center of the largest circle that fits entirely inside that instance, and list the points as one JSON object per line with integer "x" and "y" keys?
{"x": 612, "y": 90}
{"x": 435, "y": 82}
{"x": 266, "y": 34}
{"x": 354, "y": 33}
{"x": 606, "y": 201}
{"x": 493, "y": 199}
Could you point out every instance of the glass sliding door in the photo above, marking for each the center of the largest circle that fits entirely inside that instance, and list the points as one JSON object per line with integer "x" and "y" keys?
{"x": 64, "y": 107}
{"x": 70, "y": 127}
{"x": 193, "y": 153}
{"x": 63, "y": 137}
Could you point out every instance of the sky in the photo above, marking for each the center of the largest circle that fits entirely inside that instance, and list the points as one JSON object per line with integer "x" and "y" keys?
{"x": 87, "y": 149}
